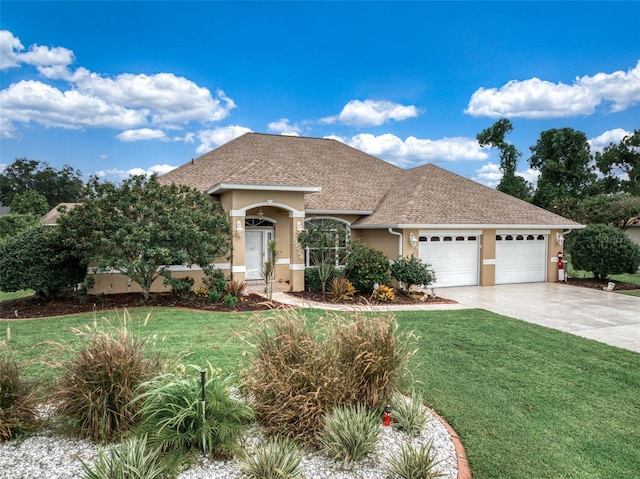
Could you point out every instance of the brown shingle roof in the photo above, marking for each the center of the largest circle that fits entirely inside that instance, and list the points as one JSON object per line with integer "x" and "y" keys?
{"x": 430, "y": 195}
{"x": 351, "y": 180}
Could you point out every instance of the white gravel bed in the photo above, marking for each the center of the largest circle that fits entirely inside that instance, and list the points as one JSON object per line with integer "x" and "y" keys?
{"x": 53, "y": 457}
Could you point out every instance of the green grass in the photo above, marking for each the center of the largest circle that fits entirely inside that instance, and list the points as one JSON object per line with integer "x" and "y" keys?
{"x": 17, "y": 294}
{"x": 527, "y": 402}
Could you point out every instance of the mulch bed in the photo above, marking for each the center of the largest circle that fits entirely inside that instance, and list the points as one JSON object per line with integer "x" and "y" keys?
{"x": 601, "y": 284}
{"x": 319, "y": 297}
{"x": 34, "y": 307}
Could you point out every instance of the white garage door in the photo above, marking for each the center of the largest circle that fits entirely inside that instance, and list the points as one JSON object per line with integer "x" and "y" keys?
{"x": 453, "y": 258}
{"x": 521, "y": 258}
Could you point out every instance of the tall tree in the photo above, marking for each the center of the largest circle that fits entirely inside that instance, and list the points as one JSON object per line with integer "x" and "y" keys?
{"x": 29, "y": 202}
{"x": 510, "y": 183}
{"x": 564, "y": 160}
{"x": 623, "y": 159}
{"x": 57, "y": 186}
{"x": 141, "y": 227}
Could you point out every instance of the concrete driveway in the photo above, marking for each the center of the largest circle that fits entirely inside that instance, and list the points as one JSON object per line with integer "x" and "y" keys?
{"x": 610, "y": 318}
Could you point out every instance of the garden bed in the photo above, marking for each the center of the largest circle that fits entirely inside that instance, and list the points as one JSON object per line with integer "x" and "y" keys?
{"x": 400, "y": 299}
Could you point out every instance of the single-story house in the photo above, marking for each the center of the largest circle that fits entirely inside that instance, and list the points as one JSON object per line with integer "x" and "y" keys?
{"x": 273, "y": 186}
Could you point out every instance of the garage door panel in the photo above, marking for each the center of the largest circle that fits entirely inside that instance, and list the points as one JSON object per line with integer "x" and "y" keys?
{"x": 455, "y": 262}
{"x": 520, "y": 260}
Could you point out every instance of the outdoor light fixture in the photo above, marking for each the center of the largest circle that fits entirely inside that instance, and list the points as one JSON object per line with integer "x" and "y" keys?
{"x": 559, "y": 238}
{"x": 239, "y": 229}
{"x": 260, "y": 214}
{"x": 413, "y": 240}
{"x": 299, "y": 227}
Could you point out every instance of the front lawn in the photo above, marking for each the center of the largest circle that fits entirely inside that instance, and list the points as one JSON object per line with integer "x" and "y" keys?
{"x": 528, "y": 402}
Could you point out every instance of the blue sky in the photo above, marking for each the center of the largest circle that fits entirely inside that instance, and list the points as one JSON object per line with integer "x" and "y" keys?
{"x": 113, "y": 88}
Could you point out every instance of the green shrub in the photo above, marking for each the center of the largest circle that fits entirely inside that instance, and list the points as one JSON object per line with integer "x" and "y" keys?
{"x": 312, "y": 281}
{"x": 95, "y": 392}
{"x": 278, "y": 458}
{"x": 604, "y": 250}
{"x": 298, "y": 373}
{"x": 132, "y": 459}
{"x": 366, "y": 267}
{"x": 36, "y": 259}
{"x": 231, "y": 300}
{"x": 412, "y": 271}
{"x": 17, "y": 400}
{"x": 350, "y": 433}
{"x": 13, "y": 224}
{"x": 215, "y": 281}
{"x": 180, "y": 287}
{"x": 173, "y": 417}
{"x": 412, "y": 463}
{"x": 409, "y": 414}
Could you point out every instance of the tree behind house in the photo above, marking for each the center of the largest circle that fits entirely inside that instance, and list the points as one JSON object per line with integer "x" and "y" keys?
{"x": 141, "y": 227}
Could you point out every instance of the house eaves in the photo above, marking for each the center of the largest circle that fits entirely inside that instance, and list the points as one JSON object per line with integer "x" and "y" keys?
{"x": 221, "y": 187}
{"x": 444, "y": 226}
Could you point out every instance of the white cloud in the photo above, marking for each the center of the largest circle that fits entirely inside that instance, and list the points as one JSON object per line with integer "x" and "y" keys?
{"x": 141, "y": 134}
{"x": 115, "y": 174}
{"x": 413, "y": 150}
{"x": 372, "y": 113}
{"x": 283, "y": 127}
{"x": 33, "y": 101}
{"x": 530, "y": 175}
{"x": 535, "y": 98}
{"x": 123, "y": 102}
{"x": 209, "y": 139}
{"x": 488, "y": 175}
{"x": 614, "y": 136}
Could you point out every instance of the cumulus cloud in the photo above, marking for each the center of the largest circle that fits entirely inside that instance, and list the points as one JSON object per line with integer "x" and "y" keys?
{"x": 614, "y": 136}
{"x": 209, "y": 139}
{"x": 535, "y": 98}
{"x": 488, "y": 175}
{"x": 412, "y": 150}
{"x": 141, "y": 134}
{"x": 124, "y": 102}
{"x": 372, "y": 113}
{"x": 115, "y": 174}
{"x": 283, "y": 127}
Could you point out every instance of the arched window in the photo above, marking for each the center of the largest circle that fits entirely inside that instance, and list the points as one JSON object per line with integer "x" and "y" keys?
{"x": 333, "y": 244}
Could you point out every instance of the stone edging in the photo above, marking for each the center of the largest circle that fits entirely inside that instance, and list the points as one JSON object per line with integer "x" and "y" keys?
{"x": 464, "y": 471}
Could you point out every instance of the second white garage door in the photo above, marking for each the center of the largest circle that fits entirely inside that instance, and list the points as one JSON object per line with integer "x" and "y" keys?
{"x": 521, "y": 258}
{"x": 453, "y": 258}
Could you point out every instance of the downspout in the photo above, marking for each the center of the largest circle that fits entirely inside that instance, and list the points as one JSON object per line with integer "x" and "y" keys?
{"x": 399, "y": 240}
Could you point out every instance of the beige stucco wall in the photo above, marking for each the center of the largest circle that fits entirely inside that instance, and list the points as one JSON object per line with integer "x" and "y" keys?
{"x": 634, "y": 233}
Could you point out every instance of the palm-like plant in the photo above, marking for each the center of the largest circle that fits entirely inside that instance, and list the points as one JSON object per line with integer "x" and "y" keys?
{"x": 175, "y": 417}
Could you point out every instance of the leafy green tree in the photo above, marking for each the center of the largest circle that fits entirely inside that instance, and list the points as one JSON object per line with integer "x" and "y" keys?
{"x": 510, "y": 183}
{"x": 29, "y": 202}
{"x": 324, "y": 243}
{"x": 141, "y": 227}
{"x": 412, "y": 271}
{"x": 618, "y": 210}
{"x": 13, "y": 224}
{"x": 604, "y": 250}
{"x": 57, "y": 186}
{"x": 366, "y": 266}
{"x": 37, "y": 259}
{"x": 564, "y": 160}
{"x": 623, "y": 159}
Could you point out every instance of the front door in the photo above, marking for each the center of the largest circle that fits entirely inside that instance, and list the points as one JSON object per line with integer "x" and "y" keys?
{"x": 255, "y": 252}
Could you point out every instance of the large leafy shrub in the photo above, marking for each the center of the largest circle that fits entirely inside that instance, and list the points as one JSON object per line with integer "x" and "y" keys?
{"x": 604, "y": 250}
{"x": 312, "y": 280}
{"x": 412, "y": 271}
{"x": 299, "y": 373}
{"x": 366, "y": 267}
{"x": 37, "y": 259}
{"x": 175, "y": 419}
{"x": 94, "y": 395}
